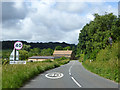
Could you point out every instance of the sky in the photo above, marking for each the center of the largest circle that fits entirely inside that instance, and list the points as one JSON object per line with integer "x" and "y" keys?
{"x": 50, "y": 20}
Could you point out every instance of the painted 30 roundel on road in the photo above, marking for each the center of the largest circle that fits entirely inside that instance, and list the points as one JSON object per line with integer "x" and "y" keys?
{"x": 54, "y": 75}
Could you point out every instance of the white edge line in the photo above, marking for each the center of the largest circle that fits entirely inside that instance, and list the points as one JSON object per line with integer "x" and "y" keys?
{"x": 76, "y": 82}
{"x": 70, "y": 69}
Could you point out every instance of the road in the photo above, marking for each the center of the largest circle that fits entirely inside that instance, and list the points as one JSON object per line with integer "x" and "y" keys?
{"x": 75, "y": 76}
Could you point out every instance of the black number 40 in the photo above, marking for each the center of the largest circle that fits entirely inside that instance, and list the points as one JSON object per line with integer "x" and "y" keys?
{"x": 18, "y": 45}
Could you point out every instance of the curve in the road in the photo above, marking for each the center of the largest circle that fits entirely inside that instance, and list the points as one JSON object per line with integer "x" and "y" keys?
{"x": 76, "y": 82}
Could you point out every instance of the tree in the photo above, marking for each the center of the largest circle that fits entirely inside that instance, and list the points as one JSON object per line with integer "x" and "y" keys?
{"x": 34, "y": 52}
{"x": 26, "y": 47}
{"x": 46, "y": 52}
{"x": 59, "y": 48}
{"x": 94, "y": 35}
{"x": 67, "y": 48}
{"x": 23, "y": 54}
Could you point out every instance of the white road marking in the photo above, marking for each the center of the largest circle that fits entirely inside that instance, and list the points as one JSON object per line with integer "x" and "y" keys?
{"x": 33, "y": 80}
{"x": 70, "y": 69}
{"x": 73, "y": 77}
{"x": 54, "y": 75}
{"x": 76, "y": 82}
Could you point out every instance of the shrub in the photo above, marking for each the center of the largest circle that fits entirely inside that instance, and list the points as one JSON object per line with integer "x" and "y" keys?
{"x": 59, "y": 59}
{"x": 48, "y": 60}
{"x": 106, "y": 63}
{"x": 81, "y": 57}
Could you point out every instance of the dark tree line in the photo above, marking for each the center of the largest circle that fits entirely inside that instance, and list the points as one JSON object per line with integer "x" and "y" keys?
{"x": 52, "y": 45}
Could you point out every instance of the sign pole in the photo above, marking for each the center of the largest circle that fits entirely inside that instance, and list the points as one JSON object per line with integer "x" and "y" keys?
{"x": 15, "y": 54}
{"x": 17, "y": 46}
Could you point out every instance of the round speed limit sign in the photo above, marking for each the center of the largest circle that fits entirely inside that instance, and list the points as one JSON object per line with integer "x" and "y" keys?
{"x": 18, "y": 45}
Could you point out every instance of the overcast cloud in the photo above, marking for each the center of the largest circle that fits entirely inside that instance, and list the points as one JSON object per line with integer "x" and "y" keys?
{"x": 44, "y": 21}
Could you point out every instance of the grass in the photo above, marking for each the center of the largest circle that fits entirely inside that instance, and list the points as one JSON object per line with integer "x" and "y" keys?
{"x": 14, "y": 76}
{"x": 0, "y": 77}
{"x": 0, "y": 70}
{"x": 106, "y": 63}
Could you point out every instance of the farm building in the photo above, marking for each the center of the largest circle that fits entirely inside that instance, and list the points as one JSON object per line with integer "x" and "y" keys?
{"x": 40, "y": 58}
{"x": 60, "y": 53}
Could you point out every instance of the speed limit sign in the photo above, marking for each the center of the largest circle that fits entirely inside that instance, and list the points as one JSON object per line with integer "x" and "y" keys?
{"x": 18, "y": 45}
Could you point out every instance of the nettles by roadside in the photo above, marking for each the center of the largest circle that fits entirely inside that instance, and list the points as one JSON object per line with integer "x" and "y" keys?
{"x": 14, "y": 76}
{"x": 106, "y": 63}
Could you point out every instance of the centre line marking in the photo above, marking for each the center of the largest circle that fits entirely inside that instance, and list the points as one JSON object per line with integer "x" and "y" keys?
{"x": 76, "y": 82}
{"x": 73, "y": 77}
{"x": 70, "y": 69}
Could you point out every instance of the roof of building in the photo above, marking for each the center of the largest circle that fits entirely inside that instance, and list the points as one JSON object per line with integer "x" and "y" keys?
{"x": 62, "y": 52}
{"x": 41, "y": 57}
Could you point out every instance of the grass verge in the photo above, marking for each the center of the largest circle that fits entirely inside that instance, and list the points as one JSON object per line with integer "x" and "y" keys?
{"x": 14, "y": 76}
{"x": 106, "y": 63}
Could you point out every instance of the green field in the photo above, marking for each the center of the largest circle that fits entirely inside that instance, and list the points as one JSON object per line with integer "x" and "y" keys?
{"x": 14, "y": 76}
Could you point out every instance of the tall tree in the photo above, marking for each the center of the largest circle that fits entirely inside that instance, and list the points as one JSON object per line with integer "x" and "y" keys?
{"x": 94, "y": 35}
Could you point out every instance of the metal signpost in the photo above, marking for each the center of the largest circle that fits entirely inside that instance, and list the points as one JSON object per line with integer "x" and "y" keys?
{"x": 14, "y": 57}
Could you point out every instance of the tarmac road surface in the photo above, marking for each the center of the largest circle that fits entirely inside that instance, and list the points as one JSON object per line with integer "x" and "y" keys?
{"x": 71, "y": 75}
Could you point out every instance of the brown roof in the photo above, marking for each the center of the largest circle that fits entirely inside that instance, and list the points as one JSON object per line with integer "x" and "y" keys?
{"x": 62, "y": 52}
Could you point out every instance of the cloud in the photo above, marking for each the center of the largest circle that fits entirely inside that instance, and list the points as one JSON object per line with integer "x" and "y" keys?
{"x": 73, "y": 7}
{"x": 45, "y": 21}
{"x": 9, "y": 12}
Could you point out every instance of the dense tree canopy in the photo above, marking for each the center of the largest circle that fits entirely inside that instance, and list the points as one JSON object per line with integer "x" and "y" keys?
{"x": 67, "y": 48}
{"x": 94, "y": 35}
{"x": 59, "y": 48}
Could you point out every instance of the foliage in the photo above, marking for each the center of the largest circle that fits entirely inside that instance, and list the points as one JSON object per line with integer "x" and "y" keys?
{"x": 59, "y": 48}
{"x": 46, "y": 52}
{"x": 6, "y": 54}
{"x": 94, "y": 46}
{"x": 62, "y": 62}
{"x": 52, "y": 45}
{"x": 67, "y": 48}
{"x": 0, "y": 77}
{"x": 59, "y": 59}
{"x": 14, "y": 76}
{"x": 94, "y": 36}
{"x": 48, "y": 60}
{"x": 5, "y": 61}
{"x": 106, "y": 63}
{"x": 23, "y": 54}
{"x": 26, "y": 47}
{"x": 81, "y": 58}
{"x": 34, "y": 52}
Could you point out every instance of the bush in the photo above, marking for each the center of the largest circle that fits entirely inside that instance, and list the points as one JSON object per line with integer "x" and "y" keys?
{"x": 48, "y": 60}
{"x": 15, "y": 75}
{"x": 106, "y": 63}
{"x": 81, "y": 58}
{"x": 59, "y": 59}
{"x": 93, "y": 54}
